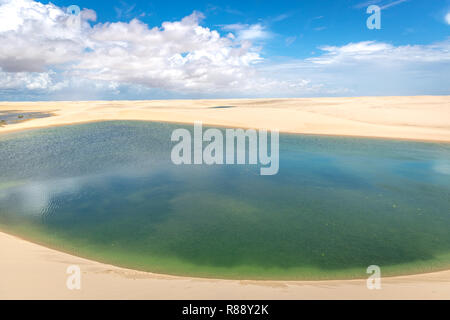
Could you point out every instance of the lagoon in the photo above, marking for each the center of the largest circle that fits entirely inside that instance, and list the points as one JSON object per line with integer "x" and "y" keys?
{"x": 110, "y": 192}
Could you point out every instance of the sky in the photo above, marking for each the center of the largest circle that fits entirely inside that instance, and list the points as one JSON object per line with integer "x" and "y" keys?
{"x": 133, "y": 50}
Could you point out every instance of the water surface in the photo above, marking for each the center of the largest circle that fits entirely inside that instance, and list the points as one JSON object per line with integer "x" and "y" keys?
{"x": 108, "y": 191}
{"x": 16, "y": 116}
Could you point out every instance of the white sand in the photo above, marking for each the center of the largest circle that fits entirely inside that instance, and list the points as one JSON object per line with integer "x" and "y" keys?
{"x": 421, "y": 118}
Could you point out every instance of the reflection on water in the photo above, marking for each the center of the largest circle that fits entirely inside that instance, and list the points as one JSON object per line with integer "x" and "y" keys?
{"x": 109, "y": 190}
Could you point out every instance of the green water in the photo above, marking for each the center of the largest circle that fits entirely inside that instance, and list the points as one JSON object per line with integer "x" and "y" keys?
{"x": 109, "y": 191}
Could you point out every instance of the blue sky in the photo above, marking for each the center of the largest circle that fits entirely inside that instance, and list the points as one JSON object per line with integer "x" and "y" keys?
{"x": 223, "y": 49}
{"x": 314, "y": 23}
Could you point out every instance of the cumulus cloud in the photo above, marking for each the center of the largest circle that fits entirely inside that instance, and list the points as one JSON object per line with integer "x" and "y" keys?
{"x": 180, "y": 55}
{"x": 35, "y": 36}
{"x": 26, "y": 80}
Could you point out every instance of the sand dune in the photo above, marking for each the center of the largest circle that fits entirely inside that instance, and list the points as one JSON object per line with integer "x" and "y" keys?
{"x": 420, "y": 118}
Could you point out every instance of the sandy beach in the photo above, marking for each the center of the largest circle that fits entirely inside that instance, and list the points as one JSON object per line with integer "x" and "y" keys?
{"x": 31, "y": 271}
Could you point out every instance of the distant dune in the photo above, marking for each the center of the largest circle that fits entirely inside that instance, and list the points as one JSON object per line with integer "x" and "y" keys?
{"x": 420, "y": 118}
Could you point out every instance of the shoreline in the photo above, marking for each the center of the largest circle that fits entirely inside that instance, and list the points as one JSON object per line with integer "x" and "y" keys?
{"x": 14, "y": 130}
{"x": 33, "y": 271}
{"x": 91, "y": 258}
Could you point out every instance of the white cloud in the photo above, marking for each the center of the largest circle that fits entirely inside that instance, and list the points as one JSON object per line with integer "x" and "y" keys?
{"x": 392, "y": 4}
{"x": 365, "y": 4}
{"x": 447, "y": 18}
{"x": 28, "y": 81}
{"x": 373, "y": 68}
{"x": 380, "y": 53}
{"x": 180, "y": 55}
{"x": 383, "y": 4}
{"x": 35, "y": 36}
{"x": 290, "y": 40}
{"x": 249, "y": 31}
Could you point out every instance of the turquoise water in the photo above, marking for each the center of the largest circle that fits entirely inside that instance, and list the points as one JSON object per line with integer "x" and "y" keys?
{"x": 109, "y": 191}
